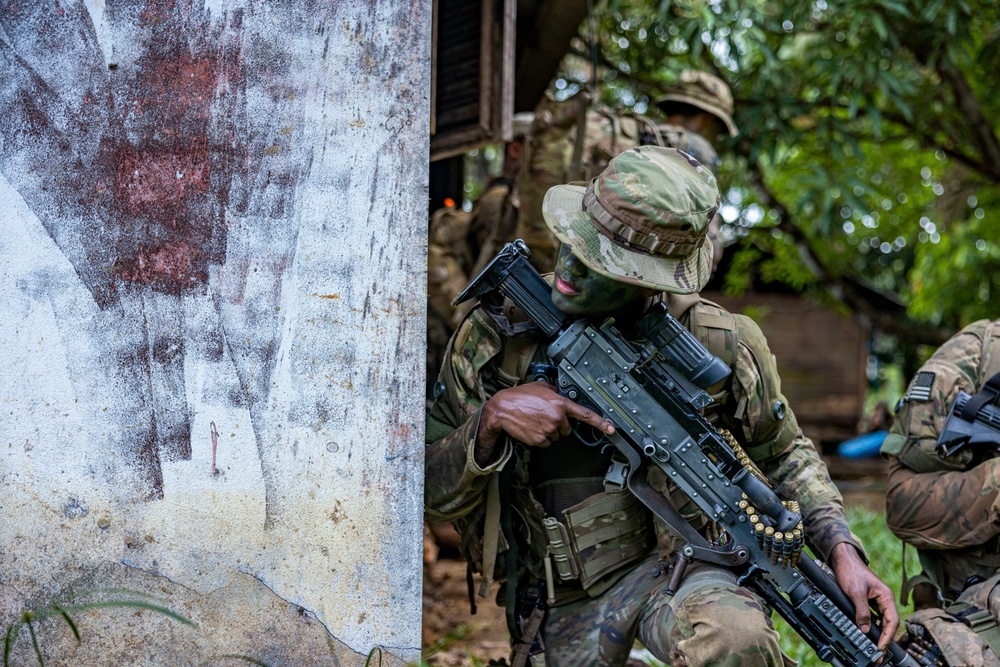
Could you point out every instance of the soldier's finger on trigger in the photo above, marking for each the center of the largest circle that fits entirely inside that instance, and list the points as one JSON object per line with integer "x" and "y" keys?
{"x": 591, "y": 417}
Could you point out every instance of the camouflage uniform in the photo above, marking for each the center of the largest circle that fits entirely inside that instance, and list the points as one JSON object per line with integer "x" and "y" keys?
{"x": 618, "y": 593}
{"x": 948, "y": 507}
{"x": 457, "y": 242}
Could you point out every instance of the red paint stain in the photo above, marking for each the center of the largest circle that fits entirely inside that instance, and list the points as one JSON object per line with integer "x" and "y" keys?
{"x": 170, "y": 265}
{"x": 179, "y": 88}
{"x": 156, "y": 11}
{"x": 162, "y": 182}
{"x": 169, "y": 173}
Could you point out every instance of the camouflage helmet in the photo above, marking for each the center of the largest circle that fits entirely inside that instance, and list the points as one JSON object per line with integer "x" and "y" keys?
{"x": 704, "y": 91}
{"x": 642, "y": 221}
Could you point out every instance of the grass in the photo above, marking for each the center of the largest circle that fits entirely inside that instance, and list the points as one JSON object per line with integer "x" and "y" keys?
{"x": 30, "y": 619}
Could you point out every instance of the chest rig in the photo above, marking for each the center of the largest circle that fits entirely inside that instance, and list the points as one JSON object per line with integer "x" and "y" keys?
{"x": 594, "y": 528}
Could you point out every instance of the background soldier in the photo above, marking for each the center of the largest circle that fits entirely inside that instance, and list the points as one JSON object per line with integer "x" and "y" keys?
{"x": 948, "y": 507}
{"x": 461, "y": 242}
{"x": 701, "y": 103}
{"x": 560, "y": 153}
{"x": 638, "y": 230}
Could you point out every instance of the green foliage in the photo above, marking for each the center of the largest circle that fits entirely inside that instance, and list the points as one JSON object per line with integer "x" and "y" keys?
{"x": 866, "y": 131}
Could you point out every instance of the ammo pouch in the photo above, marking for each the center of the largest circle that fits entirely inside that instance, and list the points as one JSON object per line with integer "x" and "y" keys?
{"x": 597, "y": 537}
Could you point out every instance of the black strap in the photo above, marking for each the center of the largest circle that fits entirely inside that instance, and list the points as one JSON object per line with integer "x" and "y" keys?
{"x": 988, "y": 394}
{"x": 507, "y": 525}
{"x": 472, "y": 588}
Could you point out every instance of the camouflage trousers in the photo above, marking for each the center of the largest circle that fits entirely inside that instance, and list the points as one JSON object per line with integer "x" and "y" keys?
{"x": 951, "y": 515}
{"x": 960, "y": 645}
{"x": 709, "y": 621}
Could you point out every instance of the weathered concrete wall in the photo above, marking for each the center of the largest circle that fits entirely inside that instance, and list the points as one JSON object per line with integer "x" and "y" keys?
{"x": 212, "y": 274}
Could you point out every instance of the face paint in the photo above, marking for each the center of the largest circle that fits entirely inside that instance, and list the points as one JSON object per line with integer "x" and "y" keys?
{"x": 578, "y": 290}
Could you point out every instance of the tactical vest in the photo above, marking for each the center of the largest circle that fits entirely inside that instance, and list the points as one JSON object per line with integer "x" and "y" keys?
{"x": 590, "y": 546}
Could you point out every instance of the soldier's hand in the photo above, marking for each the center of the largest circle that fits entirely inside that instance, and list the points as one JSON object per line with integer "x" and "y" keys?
{"x": 862, "y": 586}
{"x": 533, "y": 413}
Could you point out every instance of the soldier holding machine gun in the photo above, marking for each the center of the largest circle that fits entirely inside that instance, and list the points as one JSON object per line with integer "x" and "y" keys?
{"x": 603, "y": 527}
{"x": 943, "y": 495}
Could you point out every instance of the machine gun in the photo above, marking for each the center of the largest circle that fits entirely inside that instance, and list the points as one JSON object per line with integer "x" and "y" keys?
{"x": 651, "y": 386}
{"x": 973, "y": 421}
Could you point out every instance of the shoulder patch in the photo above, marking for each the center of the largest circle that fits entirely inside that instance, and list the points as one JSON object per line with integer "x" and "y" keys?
{"x": 920, "y": 388}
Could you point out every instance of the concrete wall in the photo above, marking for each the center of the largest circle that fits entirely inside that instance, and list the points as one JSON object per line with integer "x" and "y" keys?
{"x": 212, "y": 275}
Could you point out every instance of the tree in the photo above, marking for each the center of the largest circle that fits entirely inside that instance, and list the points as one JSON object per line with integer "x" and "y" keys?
{"x": 867, "y": 166}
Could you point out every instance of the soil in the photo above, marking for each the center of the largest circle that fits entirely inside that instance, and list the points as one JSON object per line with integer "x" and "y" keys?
{"x": 452, "y": 636}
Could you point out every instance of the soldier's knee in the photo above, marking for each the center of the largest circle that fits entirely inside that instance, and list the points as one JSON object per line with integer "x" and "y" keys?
{"x": 721, "y": 625}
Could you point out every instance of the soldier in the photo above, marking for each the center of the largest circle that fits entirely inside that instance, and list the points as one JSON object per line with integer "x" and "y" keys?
{"x": 460, "y": 242}
{"x": 698, "y": 108}
{"x": 948, "y": 507}
{"x": 701, "y": 103}
{"x": 635, "y": 235}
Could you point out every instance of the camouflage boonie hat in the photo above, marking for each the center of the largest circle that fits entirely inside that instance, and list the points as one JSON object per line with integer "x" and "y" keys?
{"x": 705, "y": 91}
{"x": 642, "y": 221}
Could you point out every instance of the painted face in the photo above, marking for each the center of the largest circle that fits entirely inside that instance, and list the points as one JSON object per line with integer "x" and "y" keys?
{"x": 577, "y": 290}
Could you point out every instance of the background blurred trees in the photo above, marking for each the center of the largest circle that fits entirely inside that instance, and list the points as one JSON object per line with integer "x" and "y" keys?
{"x": 867, "y": 166}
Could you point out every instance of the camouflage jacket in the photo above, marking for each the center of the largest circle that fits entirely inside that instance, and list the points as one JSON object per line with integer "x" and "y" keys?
{"x": 946, "y": 507}
{"x": 455, "y": 485}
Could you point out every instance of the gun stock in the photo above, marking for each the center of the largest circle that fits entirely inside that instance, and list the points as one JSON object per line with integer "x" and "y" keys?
{"x": 982, "y": 430}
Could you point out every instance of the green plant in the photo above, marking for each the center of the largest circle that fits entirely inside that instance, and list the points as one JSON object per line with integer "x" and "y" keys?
{"x": 30, "y": 618}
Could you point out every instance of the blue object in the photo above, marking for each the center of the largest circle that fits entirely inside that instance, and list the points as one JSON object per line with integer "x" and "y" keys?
{"x": 862, "y": 446}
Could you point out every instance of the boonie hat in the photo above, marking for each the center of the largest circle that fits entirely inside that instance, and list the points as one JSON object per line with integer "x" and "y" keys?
{"x": 642, "y": 221}
{"x": 703, "y": 90}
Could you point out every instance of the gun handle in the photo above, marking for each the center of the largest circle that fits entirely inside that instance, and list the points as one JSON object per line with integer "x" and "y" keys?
{"x": 829, "y": 587}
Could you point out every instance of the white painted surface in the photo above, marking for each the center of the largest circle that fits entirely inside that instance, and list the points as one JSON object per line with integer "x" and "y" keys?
{"x": 296, "y": 329}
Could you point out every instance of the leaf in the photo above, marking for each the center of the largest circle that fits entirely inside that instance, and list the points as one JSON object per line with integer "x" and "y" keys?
{"x": 879, "y": 26}
{"x": 69, "y": 621}
{"x": 134, "y": 604}
{"x": 34, "y": 640}
{"x": 371, "y": 653}
{"x": 13, "y": 630}
{"x": 898, "y": 9}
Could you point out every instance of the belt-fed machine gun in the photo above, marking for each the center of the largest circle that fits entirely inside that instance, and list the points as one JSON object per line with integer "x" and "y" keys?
{"x": 651, "y": 386}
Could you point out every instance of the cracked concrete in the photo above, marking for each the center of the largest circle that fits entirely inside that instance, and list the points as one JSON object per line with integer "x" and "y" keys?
{"x": 244, "y": 618}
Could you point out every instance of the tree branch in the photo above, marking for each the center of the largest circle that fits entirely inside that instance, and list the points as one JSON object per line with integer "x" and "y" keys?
{"x": 879, "y": 310}
{"x": 967, "y": 102}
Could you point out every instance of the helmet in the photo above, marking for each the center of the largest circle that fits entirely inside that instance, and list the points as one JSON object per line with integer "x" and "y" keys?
{"x": 704, "y": 91}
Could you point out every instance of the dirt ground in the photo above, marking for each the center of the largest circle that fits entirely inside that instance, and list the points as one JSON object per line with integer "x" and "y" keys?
{"x": 452, "y": 636}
